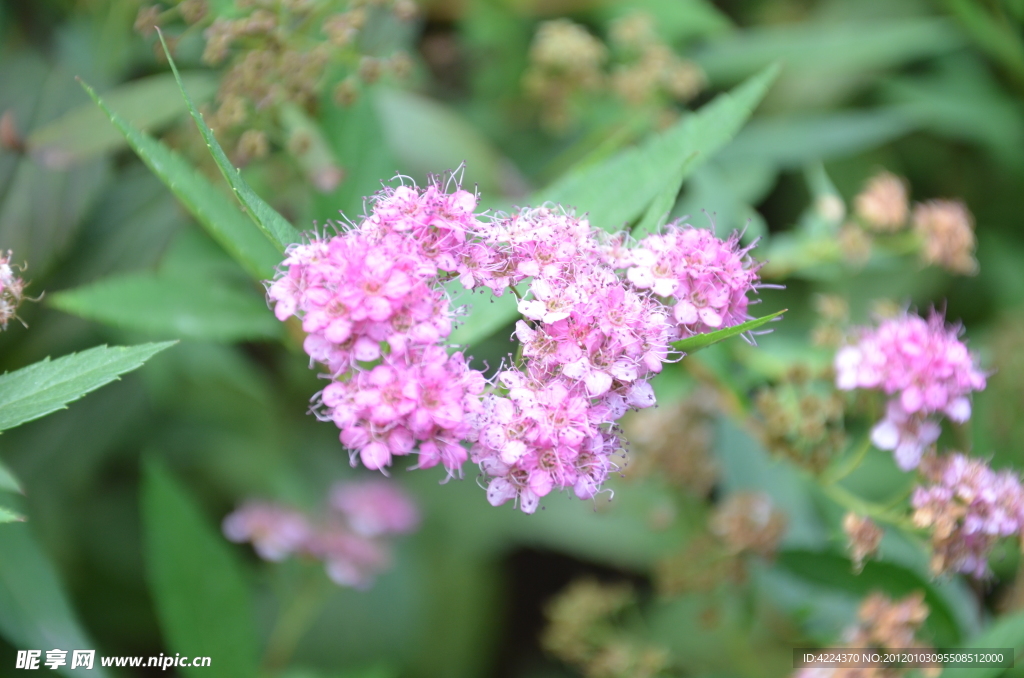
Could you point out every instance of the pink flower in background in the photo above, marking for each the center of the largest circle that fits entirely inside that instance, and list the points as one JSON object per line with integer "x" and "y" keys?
{"x": 968, "y": 508}
{"x": 924, "y": 368}
{"x": 375, "y": 507}
{"x": 274, "y": 531}
{"x": 349, "y": 541}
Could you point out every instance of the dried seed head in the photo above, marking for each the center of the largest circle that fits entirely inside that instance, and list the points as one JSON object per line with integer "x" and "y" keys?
{"x": 346, "y": 92}
{"x": 253, "y": 144}
{"x": 405, "y": 10}
{"x": 890, "y": 624}
{"x": 567, "y": 49}
{"x": 854, "y": 244}
{"x": 193, "y": 11}
{"x": 674, "y": 441}
{"x": 369, "y": 69}
{"x": 882, "y": 205}
{"x": 948, "y": 231}
{"x": 863, "y": 538}
{"x": 633, "y": 31}
{"x": 9, "y": 136}
{"x": 147, "y": 20}
{"x": 219, "y": 36}
{"x": 749, "y": 521}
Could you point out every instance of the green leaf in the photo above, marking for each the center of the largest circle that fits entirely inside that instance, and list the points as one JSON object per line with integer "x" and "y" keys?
{"x": 41, "y": 210}
{"x": 308, "y": 145}
{"x": 201, "y": 600}
{"x": 9, "y": 516}
{"x": 358, "y": 142}
{"x": 616, "y": 192}
{"x": 663, "y": 203}
{"x": 8, "y": 483}
{"x": 485, "y": 314}
{"x": 83, "y": 132}
{"x": 45, "y": 386}
{"x": 427, "y": 136}
{"x": 209, "y": 206}
{"x": 1006, "y": 631}
{"x": 794, "y": 140}
{"x": 835, "y": 571}
{"x": 999, "y": 38}
{"x": 273, "y": 225}
{"x": 34, "y": 610}
{"x": 677, "y": 20}
{"x": 175, "y": 306}
{"x": 828, "y": 47}
{"x": 699, "y": 341}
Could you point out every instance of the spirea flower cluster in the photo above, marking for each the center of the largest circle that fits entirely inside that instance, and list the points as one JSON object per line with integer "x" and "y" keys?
{"x": 350, "y": 540}
{"x": 599, "y": 315}
{"x": 968, "y": 508}
{"x": 12, "y": 291}
{"x": 924, "y": 368}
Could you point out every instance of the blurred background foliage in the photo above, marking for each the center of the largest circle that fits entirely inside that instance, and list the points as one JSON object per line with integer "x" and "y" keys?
{"x": 319, "y": 101}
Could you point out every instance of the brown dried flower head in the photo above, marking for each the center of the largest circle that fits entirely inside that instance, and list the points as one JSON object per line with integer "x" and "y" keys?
{"x": 854, "y": 244}
{"x": 947, "y": 228}
{"x": 749, "y": 522}
{"x": 674, "y": 441}
{"x": 882, "y": 205}
{"x": 863, "y": 537}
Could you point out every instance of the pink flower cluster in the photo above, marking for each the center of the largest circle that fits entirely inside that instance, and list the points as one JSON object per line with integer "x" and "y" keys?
{"x": 12, "y": 291}
{"x": 927, "y": 371}
{"x": 968, "y": 509}
{"x": 349, "y": 541}
{"x": 592, "y": 334}
{"x": 706, "y": 279}
{"x": 372, "y": 294}
{"x": 590, "y": 342}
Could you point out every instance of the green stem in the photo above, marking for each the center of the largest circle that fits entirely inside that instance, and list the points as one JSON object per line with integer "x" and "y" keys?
{"x": 518, "y": 360}
{"x": 294, "y": 620}
{"x": 850, "y": 465}
{"x": 850, "y": 501}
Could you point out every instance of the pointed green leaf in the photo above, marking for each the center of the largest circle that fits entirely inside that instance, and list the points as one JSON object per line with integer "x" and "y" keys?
{"x": 273, "y": 225}
{"x": 48, "y": 386}
{"x": 699, "y": 341}
{"x": 8, "y": 483}
{"x": 201, "y": 599}
{"x": 209, "y": 206}
{"x": 84, "y": 132}
{"x": 34, "y": 610}
{"x": 9, "y": 516}
{"x": 663, "y": 203}
{"x": 830, "y": 48}
{"x": 172, "y": 307}
{"x": 616, "y": 192}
